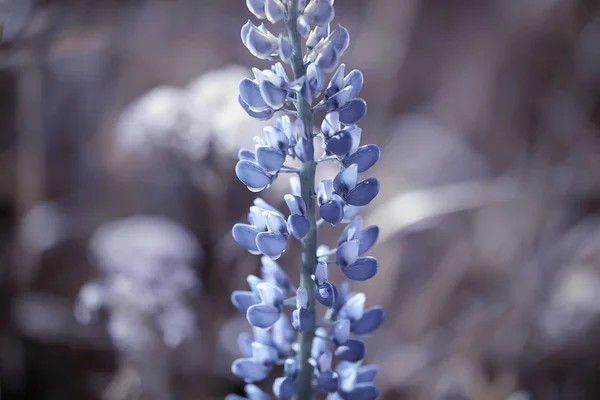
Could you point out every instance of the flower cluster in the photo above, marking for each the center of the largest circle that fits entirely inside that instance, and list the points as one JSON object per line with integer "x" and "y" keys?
{"x": 326, "y": 355}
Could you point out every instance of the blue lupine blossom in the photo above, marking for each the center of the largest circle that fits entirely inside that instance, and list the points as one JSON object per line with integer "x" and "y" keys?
{"x": 317, "y": 355}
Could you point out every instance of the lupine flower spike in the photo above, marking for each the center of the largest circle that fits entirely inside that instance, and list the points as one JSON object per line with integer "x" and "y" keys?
{"x": 326, "y": 355}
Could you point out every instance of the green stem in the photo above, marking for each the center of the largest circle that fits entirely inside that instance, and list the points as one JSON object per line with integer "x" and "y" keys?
{"x": 307, "y": 181}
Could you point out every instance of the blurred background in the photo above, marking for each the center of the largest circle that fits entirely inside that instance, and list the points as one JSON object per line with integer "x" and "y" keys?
{"x": 119, "y": 129}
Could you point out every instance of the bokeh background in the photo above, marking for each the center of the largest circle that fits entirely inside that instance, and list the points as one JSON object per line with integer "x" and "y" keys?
{"x": 119, "y": 130}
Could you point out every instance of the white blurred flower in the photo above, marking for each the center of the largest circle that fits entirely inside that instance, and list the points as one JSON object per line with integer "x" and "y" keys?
{"x": 146, "y": 281}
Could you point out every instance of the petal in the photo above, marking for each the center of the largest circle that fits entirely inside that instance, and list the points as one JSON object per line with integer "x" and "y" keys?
{"x": 244, "y": 342}
{"x": 366, "y": 373}
{"x": 353, "y": 350}
{"x": 301, "y": 298}
{"x": 354, "y": 307}
{"x": 273, "y": 273}
{"x": 339, "y": 39}
{"x": 315, "y": 78}
{"x": 365, "y": 157}
{"x": 262, "y": 115}
{"x": 347, "y": 253}
{"x": 340, "y": 98}
{"x": 323, "y": 361}
{"x": 303, "y": 26}
{"x": 273, "y": 96}
{"x": 319, "y": 12}
{"x": 352, "y": 112}
{"x": 295, "y": 185}
{"x": 328, "y": 381}
{"x": 319, "y": 33}
{"x": 302, "y": 319}
{"x": 271, "y": 244}
{"x": 275, "y": 222}
{"x": 350, "y": 212}
{"x": 276, "y": 138}
{"x": 260, "y": 42}
{"x": 304, "y": 150}
{"x": 325, "y": 191}
{"x": 331, "y": 124}
{"x": 320, "y": 343}
{"x": 245, "y": 235}
{"x": 331, "y": 211}
{"x": 361, "y": 392}
{"x": 327, "y": 58}
{"x": 282, "y": 335}
{"x": 337, "y": 81}
{"x": 296, "y": 204}
{"x": 269, "y": 158}
{"x": 284, "y": 388}
{"x": 363, "y": 193}
{"x": 298, "y": 226}
{"x": 354, "y": 80}
{"x": 339, "y": 144}
{"x": 249, "y": 370}
{"x": 259, "y": 202}
{"x": 285, "y": 49}
{"x": 256, "y": 7}
{"x": 321, "y": 275}
{"x": 262, "y": 315}
{"x": 362, "y": 269}
{"x": 340, "y": 331}
{"x": 274, "y": 10}
{"x": 346, "y": 180}
{"x": 290, "y": 368}
{"x": 368, "y": 237}
{"x": 351, "y": 231}
{"x": 253, "y": 392}
{"x": 235, "y": 397}
{"x": 371, "y": 320}
{"x": 253, "y": 281}
{"x": 250, "y": 93}
{"x": 264, "y": 354}
{"x": 245, "y": 154}
{"x": 270, "y": 294}
{"x": 326, "y": 294}
{"x": 243, "y": 300}
{"x": 252, "y": 175}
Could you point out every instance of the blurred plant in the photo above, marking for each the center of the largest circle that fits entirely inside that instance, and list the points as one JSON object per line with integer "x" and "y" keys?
{"x": 307, "y": 357}
{"x": 145, "y": 287}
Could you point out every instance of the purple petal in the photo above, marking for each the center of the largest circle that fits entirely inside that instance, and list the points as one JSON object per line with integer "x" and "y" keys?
{"x": 365, "y": 157}
{"x": 262, "y": 115}
{"x": 340, "y": 98}
{"x": 315, "y": 78}
{"x": 275, "y": 222}
{"x": 324, "y": 191}
{"x": 284, "y": 388}
{"x": 331, "y": 124}
{"x": 262, "y": 315}
{"x": 252, "y": 175}
{"x": 245, "y": 235}
{"x": 319, "y": 12}
{"x": 255, "y": 393}
{"x": 363, "y": 193}
{"x": 371, "y": 320}
{"x": 304, "y": 150}
{"x": 276, "y": 138}
{"x": 347, "y": 253}
{"x": 270, "y": 294}
{"x": 296, "y": 204}
{"x": 331, "y": 211}
{"x": 302, "y": 319}
{"x": 353, "y": 350}
{"x": 321, "y": 275}
{"x": 340, "y": 331}
{"x": 250, "y": 93}
{"x": 244, "y": 342}
{"x": 264, "y": 354}
{"x": 245, "y": 154}
{"x": 339, "y": 39}
{"x": 271, "y": 244}
{"x": 339, "y": 144}
{"x": 249, "y": 370}
{"x": 274, "y": 10}
{"x": 259, "y": 43}
{"x": 298, "y": 226}
{"x": 336, "y": 82}
{"x": 243, "y": 300}
{"x": 272, "y": 95}
{"x": 345, "y": 180}
{"x": 328, "y": 381}
{"x": 354, "y": 80}
{"x": 285, "y": 49}
{"x": 327, "y": 58}
{"x": 362, "y": 269}
{"x": 301, "y": 297}
{"x": 326, "y": 294}
{"x": 353, "y": 111}
{"x": 269, "y": 158}
{"x": 256, "y": 7}
{"x": 273, "y": 273}
{"x": 351, "y": 231}
{"x": 368, "y": 237}
{"x": 367, "y": 373}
